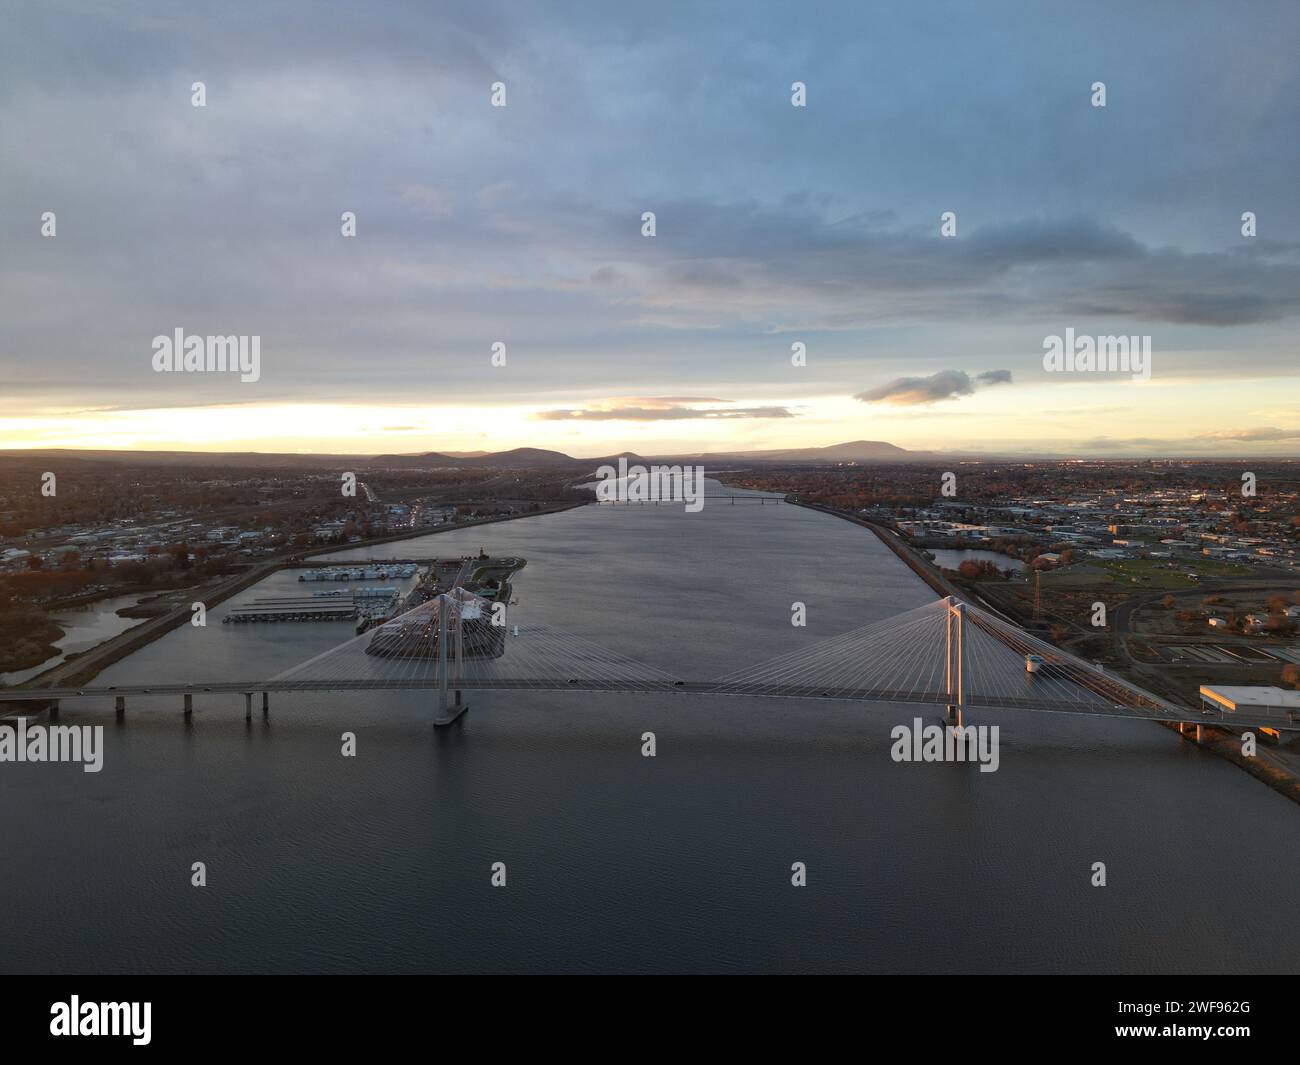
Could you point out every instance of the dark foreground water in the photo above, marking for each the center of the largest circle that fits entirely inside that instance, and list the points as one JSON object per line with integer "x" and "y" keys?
{"x": 617, "y": 862}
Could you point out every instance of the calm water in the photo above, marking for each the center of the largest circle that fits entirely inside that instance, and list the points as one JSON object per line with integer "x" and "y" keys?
{"x": 950, "y": 558}
{"x": 617, "y": 862}
{"x": 84, "y": 627}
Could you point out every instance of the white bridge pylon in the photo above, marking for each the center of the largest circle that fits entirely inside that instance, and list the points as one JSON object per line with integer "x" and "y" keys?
{"x": 952, "y": 654}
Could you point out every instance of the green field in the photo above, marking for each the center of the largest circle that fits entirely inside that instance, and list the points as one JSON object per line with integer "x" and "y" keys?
{"x": 1152, "y": 573}
{"x": 1157, "y": 570}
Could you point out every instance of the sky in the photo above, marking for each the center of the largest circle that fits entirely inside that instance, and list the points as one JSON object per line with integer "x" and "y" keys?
{"x": 774, "y": 225}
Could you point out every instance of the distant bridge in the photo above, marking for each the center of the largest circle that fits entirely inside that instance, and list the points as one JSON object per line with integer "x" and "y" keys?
{"x": 946, "y": 654}
{"x": 743, "y": 498}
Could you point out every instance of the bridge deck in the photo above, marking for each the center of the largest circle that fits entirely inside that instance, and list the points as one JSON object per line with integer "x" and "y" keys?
{"x": 1082, "y": 707}
{"x": 913, "y": 659}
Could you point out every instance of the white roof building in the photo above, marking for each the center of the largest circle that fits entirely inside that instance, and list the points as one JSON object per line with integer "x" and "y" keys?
{"x": 1255, "y": 698}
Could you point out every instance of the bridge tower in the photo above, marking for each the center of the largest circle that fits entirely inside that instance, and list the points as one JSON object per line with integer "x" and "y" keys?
{"x": 956, "y": 659}
{"x": 448, "y": 711}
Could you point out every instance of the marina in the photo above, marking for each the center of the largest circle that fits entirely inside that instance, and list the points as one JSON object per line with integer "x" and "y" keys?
{"x": 361, "y": 573}
{"x": 361, "y": 605}
{"x": 479, "y": 590}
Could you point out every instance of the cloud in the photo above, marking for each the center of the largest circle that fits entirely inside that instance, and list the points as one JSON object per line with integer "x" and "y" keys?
{"x": 743, "y": 259}
{"x": 662, "y": 411}
{"x": 429, "y": 200}
{"x": 523, "y": 223}
{"x": 946, "y": 384}
{"x": 1042, "y": 240}
{"x": 1263, "y": 433}
{"x": 1206, "y": 443}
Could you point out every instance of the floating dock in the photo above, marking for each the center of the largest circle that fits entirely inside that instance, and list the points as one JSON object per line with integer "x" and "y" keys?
{"x": 360, "y": 573}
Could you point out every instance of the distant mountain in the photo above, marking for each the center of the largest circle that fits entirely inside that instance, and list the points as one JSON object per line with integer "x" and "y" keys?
{"x": 529, "y": 458}
{"x": 522, "y": 458}
{"x": 863, "y": 451}
{"x": 855, "y": 451}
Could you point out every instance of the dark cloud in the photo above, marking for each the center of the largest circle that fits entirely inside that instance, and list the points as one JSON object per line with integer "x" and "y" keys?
{"x": 946, "y": 384}
{"x": 743, "y": 260}
{"x": 1043, "y": 240}
{"x": 910, "y": 391}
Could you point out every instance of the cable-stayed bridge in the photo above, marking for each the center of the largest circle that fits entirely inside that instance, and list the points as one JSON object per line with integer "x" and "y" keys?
{"x": 946, "y": 654}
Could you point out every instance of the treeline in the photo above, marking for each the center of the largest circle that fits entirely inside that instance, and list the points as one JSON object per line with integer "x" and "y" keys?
{"x": 27, "y": 637}
{"x": 103, "y": 493}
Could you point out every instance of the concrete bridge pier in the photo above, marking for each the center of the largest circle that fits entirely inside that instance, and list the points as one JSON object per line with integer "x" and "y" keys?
{"x": 119, "y": 705}
{"x": 447, "y": 712}
{"x": 189, "y": 704}
{"x": 53, "y": 709}
{"x": 248, "y": 706}
{"x": 266, "y": 705}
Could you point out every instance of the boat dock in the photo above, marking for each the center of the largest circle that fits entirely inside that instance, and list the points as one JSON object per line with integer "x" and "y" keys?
{"x": 369, "y": 603}
{"x": 375, "y": 572}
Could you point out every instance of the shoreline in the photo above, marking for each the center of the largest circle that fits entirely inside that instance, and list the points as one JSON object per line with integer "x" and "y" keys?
{"x": 86, "y": 665}
{"x": 1220, "y": 742}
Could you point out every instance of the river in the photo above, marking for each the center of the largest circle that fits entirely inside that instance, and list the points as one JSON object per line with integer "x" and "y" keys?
{"x": 951, "y": 558}
{"x": 615, "y": 862}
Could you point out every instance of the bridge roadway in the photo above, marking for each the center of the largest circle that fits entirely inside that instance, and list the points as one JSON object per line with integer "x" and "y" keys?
{"x": 760, "y": 499}
{"x": 769, "y": 691}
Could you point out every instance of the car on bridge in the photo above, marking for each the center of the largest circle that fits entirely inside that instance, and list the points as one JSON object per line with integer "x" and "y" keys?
{"x": 1047, "y": 666}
